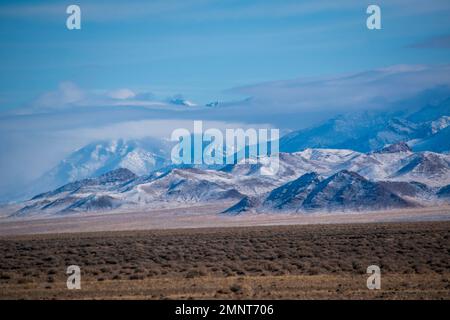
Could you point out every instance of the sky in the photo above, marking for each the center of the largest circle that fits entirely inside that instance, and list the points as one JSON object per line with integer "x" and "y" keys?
{"x": 201, "y": 48}
{"x": 284, "y": 64}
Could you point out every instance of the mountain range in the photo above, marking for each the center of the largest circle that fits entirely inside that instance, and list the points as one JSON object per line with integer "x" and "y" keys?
{"x": 422, "y": 129}
{"x": 307, "y": 181}
{"x": 425, "y": 129}
{"x": 356, "y": 161}
{"x": 140, "y": 156}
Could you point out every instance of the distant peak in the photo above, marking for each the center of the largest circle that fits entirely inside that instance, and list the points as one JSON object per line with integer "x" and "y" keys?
{"x": 212, "y": 104}
{"x": 396, "y": 147}
{"x": 180, "y": 101}
{"x": 120, "y": 174}
{"x": 346, "y": 174}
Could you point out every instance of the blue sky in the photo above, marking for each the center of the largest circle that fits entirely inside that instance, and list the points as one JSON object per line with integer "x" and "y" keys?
{"x": 200, "y": 48}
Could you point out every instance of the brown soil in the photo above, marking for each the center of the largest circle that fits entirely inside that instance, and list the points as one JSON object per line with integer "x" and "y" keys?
{"x": 293, "y": 262}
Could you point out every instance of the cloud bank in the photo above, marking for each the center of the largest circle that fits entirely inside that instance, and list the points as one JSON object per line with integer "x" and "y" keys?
{"x": 440, "y": 42}
{"x": 59, "y": 121}
{"x": 367, "y": 90}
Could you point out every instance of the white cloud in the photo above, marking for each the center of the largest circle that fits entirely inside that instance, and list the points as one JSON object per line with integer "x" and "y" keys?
{"x": 67, "y": 93}
{"x": 72, "y": 117}
{"x": 290, "y": 104}
{"x": 122, "y": 94}
{"x": 360, "y": 91}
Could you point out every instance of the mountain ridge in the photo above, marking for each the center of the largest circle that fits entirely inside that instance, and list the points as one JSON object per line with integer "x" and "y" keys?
{"x": 307, "y": 181}
{"x": 366, "y": 131}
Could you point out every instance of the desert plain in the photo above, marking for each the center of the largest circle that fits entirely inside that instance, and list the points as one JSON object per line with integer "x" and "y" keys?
{"x": 249, "y": 257}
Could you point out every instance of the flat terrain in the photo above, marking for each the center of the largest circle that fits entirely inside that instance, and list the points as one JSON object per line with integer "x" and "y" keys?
{"x": 204, "y": 216}
{"x": 292, "y": 262}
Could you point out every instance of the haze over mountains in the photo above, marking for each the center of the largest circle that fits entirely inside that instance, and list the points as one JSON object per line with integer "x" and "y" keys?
{"x": 357, "y": 161}
{"x": 423, "y": 129}
{"x": 141, "y": 156}
{"x": 310, "y": 180}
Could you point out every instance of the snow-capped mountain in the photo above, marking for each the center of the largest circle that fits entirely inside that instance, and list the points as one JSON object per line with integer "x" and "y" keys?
{"x": 426, "y": 167}
{"x": 342, "y": 143}
{"x": 180, "y": 101}
{"x": 140, "y": 156}
{"x": 395, "y": 162}
{"x": 83, "y": 195}
{"x": 185, "y": 186}
{"x": 344, "y": 190}
{"x": 293, "y": 194}
{"x": 366, "y": 131}
{"x": 309, "y": 180}
{"x": 411, "y": 190}
{"x": 123, "y": 189}
{"x": 212, "y": 104}
{"x": 404, "y": 165}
